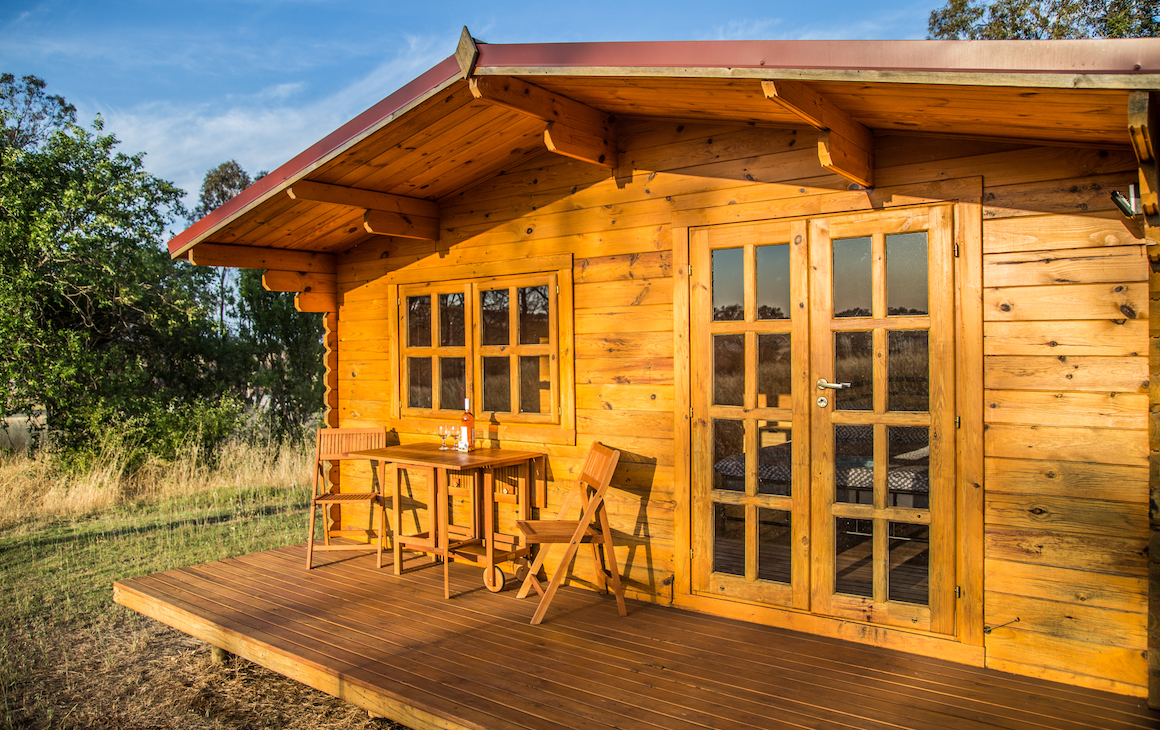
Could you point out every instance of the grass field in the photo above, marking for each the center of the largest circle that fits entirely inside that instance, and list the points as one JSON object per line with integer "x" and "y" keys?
{"x": 71, "y": 658}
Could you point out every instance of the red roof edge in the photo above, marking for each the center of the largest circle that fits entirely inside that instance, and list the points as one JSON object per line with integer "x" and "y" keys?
{"x": 443, "y": 72}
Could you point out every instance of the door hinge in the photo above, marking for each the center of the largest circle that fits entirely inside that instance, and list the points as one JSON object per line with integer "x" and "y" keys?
{"x": 955, "y": 248}
{"x": 958, "y": 591}
{"x": 690, "y": 269}
{"x": 691, "y": 553}
{"x": 958, "y": 421}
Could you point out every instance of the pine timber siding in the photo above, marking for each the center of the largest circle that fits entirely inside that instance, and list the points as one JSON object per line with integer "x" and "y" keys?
{"x": 1065, "y": 346}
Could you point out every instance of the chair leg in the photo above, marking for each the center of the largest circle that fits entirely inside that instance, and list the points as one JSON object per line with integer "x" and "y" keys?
{"x": 532, "y": 581}
{"x": 557, "y": 579}
{"x": 614, "y": 570}
{"x": 382, "y": 527}
{"x": 310, "y": 538}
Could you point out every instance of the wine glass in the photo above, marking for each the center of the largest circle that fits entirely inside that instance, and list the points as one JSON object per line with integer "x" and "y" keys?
{"x": 443, "y": 438}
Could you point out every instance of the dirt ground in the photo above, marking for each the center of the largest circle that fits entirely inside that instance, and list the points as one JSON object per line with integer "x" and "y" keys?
{"x": 142, "y": 675}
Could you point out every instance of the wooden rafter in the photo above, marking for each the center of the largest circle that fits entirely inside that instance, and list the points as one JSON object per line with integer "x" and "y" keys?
{"x": 845, "y": 145}
{"x": 254, "y": 257}
{"x": 385, "y": 214}
{"x": 574, "y": 129}
{"x": 299, "y": 281}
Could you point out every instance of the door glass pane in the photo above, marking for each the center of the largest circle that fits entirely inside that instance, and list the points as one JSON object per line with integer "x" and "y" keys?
{"x": 729, "y": 370}
{"x": 497, "y": 384}
{"x": 775, "y": 457}
{"x": 774, "y": 545}
{"x": 535, "y": 389}
{"x": 854, "y": 364}
{"x": 729, "y": 538}
{"x": 493, "y": 306}
{"x": 908, "y": 370}
{"x": 452, "y": 330}
{"x": 854, "y": 557}
{"x": 533, "y": 314}
{"x": 728, "y": 284}
{"x": 853, "y": 277}
{"x": 773, "y": 282}
{"x": 908, "y": 474}
{"x": 854, "y": 464}
{"x": 906, "y": 274}
{"x": 729, "y": 464}
{"x": 773, "y": 371}
{"x": 452, "y": 383}
{"x": 908, "y": 580}
{"x": 419, "y": 382}
{"x": 419, "y": 321}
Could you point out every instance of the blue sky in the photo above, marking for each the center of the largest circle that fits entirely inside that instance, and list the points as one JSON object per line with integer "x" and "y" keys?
{"x": 193, "y": 84}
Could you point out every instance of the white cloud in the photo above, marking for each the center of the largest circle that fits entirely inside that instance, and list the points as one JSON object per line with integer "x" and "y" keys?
{"x": 261, "y": 131}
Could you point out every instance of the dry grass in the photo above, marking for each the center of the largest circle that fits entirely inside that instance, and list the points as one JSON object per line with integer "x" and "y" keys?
{"x": 71, "y": 658}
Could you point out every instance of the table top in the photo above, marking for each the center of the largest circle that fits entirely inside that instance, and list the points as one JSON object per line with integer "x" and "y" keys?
{"x": 430, "y": 455}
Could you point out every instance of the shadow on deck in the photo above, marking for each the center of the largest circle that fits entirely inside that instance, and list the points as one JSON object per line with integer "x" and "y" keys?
{"x": 395, "y": 647}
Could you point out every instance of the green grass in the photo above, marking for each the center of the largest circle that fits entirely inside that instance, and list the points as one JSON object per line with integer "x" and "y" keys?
{"x": 57, "y": 574}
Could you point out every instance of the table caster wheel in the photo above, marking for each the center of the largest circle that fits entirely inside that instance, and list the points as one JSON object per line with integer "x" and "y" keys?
{"x": 522, "y": 568}
{"x": 495, "y": 585}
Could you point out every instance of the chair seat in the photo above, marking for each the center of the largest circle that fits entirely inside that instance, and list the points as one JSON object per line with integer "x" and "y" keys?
{"x": 553, "y": 530}
{"x": 347, "y": 497}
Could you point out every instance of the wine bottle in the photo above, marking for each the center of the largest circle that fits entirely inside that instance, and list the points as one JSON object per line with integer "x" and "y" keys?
{"x": 466, "y": 428}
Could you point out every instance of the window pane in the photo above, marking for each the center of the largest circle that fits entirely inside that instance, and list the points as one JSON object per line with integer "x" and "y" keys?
{"x": 775, "y": 457}
{"x": 419, "y": 321}
{"x": 908, "y": 474}
{"x": 729, "y": 284}
{"x": 773, "y": 371}
{"x": 729, "y": 463}
{"x": 854, "y": 557}
{"x": 729, "y": 538}
{"x": 773, "y": 282}
{"x": 497, "y": 384}
{"x": 909, "y": 579}
{"x": 452, "y": 324}
{"x": 908, "y": 370}
{"x": 419, "y": 382}
{"x": 854, "y": 364}
{"x": 906, "y": 273}
{"x": 854, "y": 464}
{"x": 452, "y": 383}
{"x": 853, "y": 278}
{"x": 533, "y": 313}
{"x": 729, "y": 370}
{"x": 774, "y": 545}
{"x": 493, "y": 304}
{"x": 535, "y": 387}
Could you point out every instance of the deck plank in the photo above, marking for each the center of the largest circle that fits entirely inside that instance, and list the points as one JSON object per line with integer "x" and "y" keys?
{"x": 386, "y": 641}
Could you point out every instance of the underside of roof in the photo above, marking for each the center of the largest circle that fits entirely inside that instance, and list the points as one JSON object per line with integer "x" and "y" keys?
{"x": 490, "y": 107}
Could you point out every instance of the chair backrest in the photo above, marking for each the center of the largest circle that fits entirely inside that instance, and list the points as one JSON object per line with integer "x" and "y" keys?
{"x": 595, "y": 476}
{"x": 335, "y": 444}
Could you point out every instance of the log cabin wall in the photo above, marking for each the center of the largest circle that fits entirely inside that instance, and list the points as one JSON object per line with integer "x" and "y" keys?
{"x": 1065, "y": 351}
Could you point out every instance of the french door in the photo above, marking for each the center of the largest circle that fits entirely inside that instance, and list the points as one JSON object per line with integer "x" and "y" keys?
{"x": 823, "y": 415}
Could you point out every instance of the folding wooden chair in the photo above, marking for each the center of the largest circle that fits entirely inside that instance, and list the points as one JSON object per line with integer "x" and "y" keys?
{"x": 335, "y": 445}
{"x": 592, "y": 528}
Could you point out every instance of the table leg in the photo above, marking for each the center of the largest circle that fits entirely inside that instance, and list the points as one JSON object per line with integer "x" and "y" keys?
{"x": 443, "y": 540}
{"x": 489, "y": 526}
{"x": 397, "y": 519}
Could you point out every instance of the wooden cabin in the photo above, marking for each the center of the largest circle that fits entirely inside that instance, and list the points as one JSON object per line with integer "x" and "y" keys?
{"x": 862, "y": 317}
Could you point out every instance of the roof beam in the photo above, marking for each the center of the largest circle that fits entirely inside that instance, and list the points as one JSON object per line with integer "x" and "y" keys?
{"x": 845, "y": 146}
{"x": 385, "y": 214}
{"x": 254, "y": 257}
{"x": 1144, "y": 128}
{"x": 299, "y": 281}
{"x": 574, "y": 129}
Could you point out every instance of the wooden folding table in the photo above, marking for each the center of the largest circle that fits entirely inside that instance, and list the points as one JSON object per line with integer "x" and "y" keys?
{"x": 486, "y": 546}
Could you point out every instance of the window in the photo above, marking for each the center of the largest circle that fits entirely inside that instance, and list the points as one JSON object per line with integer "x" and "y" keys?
{"x": 494, "y": 340}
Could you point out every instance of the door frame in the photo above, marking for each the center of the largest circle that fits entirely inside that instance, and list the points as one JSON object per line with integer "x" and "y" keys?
{"x": 966, "y": 194}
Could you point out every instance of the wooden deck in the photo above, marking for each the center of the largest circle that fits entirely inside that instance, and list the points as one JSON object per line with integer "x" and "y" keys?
{"x": 394, "y": 646}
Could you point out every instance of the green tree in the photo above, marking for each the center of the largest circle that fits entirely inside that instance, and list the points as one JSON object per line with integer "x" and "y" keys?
{"x": 1044, "y": 19}
{"x": 97, "y": 325}
{"x": 282, "y": 346}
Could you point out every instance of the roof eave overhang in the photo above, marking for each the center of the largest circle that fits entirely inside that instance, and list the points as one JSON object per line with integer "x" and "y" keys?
{"x": 1125, "y": 64}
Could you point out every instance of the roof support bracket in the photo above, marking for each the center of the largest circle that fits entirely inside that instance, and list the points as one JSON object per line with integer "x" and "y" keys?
{"x": 1144, "y": 130}
{"x": 386, "y": 214}
{"x": 574, "y": 129}
{"x": 255, "y": 257}
{"x": 845, "y": 146}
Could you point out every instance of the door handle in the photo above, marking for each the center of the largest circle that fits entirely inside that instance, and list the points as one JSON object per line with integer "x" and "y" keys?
{"x": 823, "y": 384}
